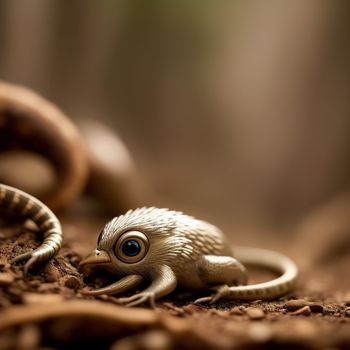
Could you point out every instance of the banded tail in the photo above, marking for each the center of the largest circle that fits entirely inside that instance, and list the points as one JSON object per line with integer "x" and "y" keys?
{"x": 29, "y": 207}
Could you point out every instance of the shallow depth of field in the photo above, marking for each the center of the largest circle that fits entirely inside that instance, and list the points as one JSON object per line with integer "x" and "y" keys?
{"x": 235, "y": 112}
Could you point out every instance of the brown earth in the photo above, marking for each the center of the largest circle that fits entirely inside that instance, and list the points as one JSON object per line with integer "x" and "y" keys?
{"x": 47, "y": 310}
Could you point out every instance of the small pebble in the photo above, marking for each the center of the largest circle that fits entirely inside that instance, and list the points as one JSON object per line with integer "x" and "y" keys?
{"x": 293, "y": 305}
{"x": 304, "y": 311}
{"x": 6, "y": 278}
{"x": 255, "y": 313}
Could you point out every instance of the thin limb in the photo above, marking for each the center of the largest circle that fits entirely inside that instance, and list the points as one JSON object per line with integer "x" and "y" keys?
{"x": 221, "y": 271}
{"x": 163, "y": 282}
{"x": 123, "y": 285}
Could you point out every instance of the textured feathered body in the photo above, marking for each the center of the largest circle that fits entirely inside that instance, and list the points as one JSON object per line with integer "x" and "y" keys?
{"x": 175, "y": 239}
{"x": 170, "y": 249}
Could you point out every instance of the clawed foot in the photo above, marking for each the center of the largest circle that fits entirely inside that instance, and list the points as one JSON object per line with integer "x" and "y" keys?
{"x": 32, "y": 260}
{"x": 138, "y": 299}
{"x": 221, "y": 292}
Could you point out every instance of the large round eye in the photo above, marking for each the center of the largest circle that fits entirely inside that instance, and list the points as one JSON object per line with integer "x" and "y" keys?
{"x": 131, "y": 247}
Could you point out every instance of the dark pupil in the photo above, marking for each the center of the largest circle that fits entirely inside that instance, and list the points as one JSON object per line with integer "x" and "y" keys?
{"x": 131, "y": 247}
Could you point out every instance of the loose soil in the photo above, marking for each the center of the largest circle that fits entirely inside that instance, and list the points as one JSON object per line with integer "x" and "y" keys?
{"x": 48, "y": 311}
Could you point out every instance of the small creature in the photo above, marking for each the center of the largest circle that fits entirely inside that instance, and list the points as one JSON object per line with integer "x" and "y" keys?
{"x": 28, "y": 207}
{"x": 169, "y": 249}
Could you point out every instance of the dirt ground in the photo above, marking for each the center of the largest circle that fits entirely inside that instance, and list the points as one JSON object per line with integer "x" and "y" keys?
{"x": 47, "y": 310}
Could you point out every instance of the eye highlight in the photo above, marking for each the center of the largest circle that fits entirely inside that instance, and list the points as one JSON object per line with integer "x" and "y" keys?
{"x": 131, "y": 247}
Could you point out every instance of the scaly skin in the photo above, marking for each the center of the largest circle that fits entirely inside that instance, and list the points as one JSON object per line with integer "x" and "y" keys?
{"x": 176, "y": 249}
{"x": 28, "y": 207}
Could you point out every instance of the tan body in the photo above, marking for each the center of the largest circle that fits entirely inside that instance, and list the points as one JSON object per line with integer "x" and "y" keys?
{"x": 180, "y": 250}
{"x": 28, "y": 207}
{"x": 34, "y": 131}
{"x": 30, "y": 122}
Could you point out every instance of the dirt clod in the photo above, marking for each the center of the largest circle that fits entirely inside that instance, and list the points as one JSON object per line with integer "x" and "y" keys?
{"x": 255, "y": 313}
{"x": 47, "y": 309}
{"x": 51, "y": 272}
{"x": 71, "y": 282}
{"x": 295, "y": 304}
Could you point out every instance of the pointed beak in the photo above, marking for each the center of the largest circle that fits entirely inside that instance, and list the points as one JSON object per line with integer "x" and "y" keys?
{"x": 96, "y": 257}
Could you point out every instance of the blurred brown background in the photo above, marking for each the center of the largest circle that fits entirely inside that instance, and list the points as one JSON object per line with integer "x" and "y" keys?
{"x": 237, "y": 111}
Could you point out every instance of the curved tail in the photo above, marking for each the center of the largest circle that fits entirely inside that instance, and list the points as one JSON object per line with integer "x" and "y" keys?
{"x": 270, "y": 260}
{"x": 30, "y": 207}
